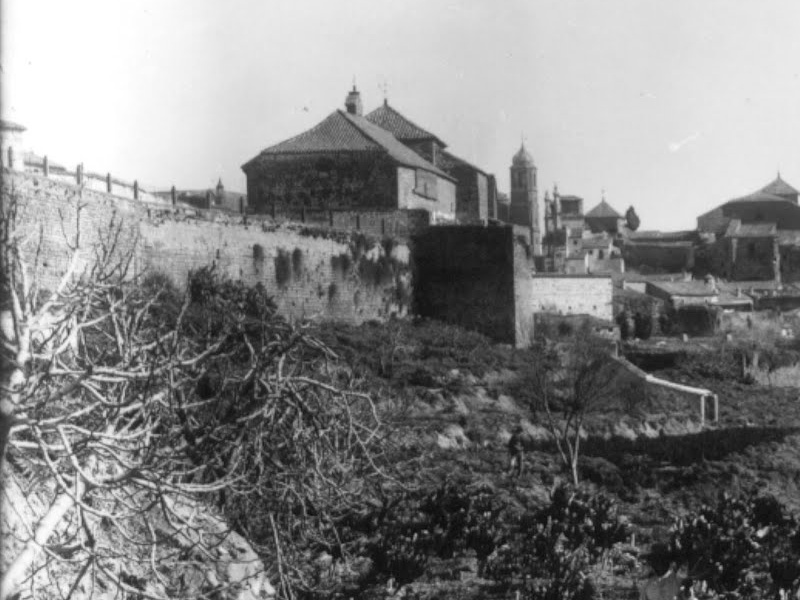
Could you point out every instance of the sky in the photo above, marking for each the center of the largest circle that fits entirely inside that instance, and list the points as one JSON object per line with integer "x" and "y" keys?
{"x": 671, "y": 106}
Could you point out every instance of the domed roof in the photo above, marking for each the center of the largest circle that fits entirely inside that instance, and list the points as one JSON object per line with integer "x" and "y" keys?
{"x": 522, "y": 158}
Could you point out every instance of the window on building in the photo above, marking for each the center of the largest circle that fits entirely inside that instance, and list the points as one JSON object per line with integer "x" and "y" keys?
{"x": 600, "y": 254}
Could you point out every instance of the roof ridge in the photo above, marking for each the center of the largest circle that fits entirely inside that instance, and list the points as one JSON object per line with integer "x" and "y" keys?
{"x": 388, "y": 107}
{"x": 355, "y": 126}
{"x": 398, "y": 113}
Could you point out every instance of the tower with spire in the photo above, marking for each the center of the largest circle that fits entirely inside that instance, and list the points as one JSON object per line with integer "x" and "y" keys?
{"x": 524, "y": 207}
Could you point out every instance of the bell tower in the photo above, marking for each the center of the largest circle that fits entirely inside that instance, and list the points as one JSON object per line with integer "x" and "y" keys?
{"x": 524, "y": 209}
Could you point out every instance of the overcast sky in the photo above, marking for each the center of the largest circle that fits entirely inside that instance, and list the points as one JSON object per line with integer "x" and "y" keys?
{"x": 670, "y": 106}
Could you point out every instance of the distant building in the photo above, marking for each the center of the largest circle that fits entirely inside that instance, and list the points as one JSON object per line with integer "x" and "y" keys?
{"x": 603, "y": 218}
{"x": 348, "y": 163}
{"x": 755, "y": 237}
{"x": 578, "y": 243}
{"x": 524, "y": 204}
{"x": 775, "y": 203}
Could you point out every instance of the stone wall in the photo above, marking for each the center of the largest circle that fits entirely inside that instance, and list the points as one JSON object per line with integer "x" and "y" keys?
{"x": 752, "y": 259}
{"x": 472, "y": 194}
{"x": 311, "y": 271}
{"x": 321, "y": 181}
{"x": 441, "y": 204}
{"x": 573, "y": 295}
{"x": 475, "y": 277}
{"x": 657, "y": 257}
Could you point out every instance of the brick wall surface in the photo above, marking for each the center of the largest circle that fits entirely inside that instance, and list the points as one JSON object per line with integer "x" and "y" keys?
{"x": 310, "y": 271}
{"x": 567, "y": 295}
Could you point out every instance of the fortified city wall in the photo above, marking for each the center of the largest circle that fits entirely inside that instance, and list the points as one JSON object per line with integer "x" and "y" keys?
{"x": 341, "y": 266}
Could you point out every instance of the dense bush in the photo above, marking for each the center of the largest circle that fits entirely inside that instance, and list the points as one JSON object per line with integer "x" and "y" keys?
{"x": 745, "y": 545}
{"x": 444, "y": 523}
{"x": 548, "y": 552}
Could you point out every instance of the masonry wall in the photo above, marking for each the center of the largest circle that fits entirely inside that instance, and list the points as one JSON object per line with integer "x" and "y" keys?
{"x": 752, "y": 259}
{"x": 310, "y": 271}
{"x": 468, "y": 275}
{"x": 344, "y": 181}
{"x": 573, "y": 295}
{"x": 659, "y": 257}
{"x": 472, "y": 194}
{"x": 442, "y": 206}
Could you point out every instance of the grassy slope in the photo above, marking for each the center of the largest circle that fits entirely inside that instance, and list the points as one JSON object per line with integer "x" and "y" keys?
{"x": 442, "y": 380}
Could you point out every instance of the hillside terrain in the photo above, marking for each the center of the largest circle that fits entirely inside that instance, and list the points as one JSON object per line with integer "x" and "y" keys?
{"x": 373, "y": 461}
{"x": 453, "y": 401}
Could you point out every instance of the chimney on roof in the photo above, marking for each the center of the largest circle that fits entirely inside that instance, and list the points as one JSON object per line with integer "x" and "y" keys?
{"x": 353, "y": 102}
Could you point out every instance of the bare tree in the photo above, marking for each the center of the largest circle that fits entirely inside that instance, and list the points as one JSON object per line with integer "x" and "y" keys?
{"x": 134, "y": 411}
{"x": 573, "y": 379}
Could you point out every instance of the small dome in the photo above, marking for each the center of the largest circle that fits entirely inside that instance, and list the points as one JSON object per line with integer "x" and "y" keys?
{"x": 522, "y": 158}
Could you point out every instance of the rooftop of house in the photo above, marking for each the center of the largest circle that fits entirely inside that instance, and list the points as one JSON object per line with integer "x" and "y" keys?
{"x": 345, "y": 132}
{"x": 448, "y": 160}
{"x": 732, "y": 287}
{"x": 694, "y": 287}
{"x": 603, "y": 210}
{"x": 401, "y": 127}
{"x": 779, "y": 187}
{"x": 759, "y": 196}
{"x": 737, "y": 229}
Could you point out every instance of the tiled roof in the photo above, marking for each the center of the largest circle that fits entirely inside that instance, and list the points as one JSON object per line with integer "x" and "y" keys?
{"x": 399, "y": 126}
{"x": 344, "y": 132}
{"x": 745, "y": 286}
{"x": 737, "y": 229}
{"x": 11, "y": 126}
{"x": 396, "y": 149}
{"x": 448, "y": 161}
{"x": 685, "y": 288}
{"x": 760, "y": 196}
{"x": 603, "y": 210}
{"x": 779, "y": 188}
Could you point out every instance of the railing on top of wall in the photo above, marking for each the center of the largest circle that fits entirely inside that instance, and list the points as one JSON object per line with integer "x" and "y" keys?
{"x": 95, "y": 181}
